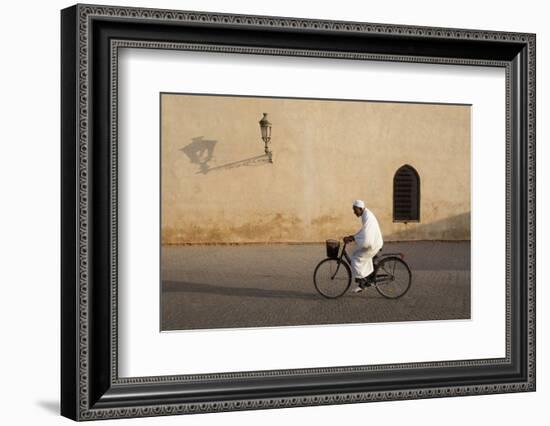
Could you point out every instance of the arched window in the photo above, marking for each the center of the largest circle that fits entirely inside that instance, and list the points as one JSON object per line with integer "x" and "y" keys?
{"x": 406, "y": 195}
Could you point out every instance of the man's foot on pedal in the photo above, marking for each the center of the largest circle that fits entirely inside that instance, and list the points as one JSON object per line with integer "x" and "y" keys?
{"x": 363, "y": 282}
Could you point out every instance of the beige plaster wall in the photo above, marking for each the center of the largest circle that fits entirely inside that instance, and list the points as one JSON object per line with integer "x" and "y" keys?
{"x": 325, "y": 153}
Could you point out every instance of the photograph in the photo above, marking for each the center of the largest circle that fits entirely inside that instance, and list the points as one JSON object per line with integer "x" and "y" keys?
{"x": 280, "y": 211}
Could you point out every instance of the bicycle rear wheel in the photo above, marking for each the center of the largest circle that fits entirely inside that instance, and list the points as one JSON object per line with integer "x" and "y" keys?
{"x": 392, "y": 277}
{"x": 331, "y": 279}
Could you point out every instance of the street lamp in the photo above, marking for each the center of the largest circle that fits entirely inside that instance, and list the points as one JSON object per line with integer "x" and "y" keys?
{"x": 265, "y": 128}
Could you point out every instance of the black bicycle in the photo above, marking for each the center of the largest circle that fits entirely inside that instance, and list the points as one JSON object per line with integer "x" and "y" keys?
{"x": 332, "y": 276}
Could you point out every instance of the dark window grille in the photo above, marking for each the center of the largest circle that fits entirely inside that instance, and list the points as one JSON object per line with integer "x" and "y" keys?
{"x": 406, "y": 195}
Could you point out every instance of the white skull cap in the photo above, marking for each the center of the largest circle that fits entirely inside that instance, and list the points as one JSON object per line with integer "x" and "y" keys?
{"x": 359, "y": 203}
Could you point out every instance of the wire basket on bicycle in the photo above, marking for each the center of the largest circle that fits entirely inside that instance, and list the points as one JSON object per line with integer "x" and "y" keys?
{"x": 333, "y": 247}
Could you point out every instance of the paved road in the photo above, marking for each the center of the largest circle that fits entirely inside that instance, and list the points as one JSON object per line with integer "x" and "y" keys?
{"x": 271, "y": 285}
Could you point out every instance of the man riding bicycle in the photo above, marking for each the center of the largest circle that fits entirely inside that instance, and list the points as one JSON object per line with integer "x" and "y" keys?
{"x": 369, "y": 242}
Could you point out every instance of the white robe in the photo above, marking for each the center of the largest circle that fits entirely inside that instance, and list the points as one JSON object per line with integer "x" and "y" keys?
{"x": 369, "y": 242}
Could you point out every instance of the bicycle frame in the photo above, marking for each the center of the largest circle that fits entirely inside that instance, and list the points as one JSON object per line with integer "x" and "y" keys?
{"x": 344, "y": 254}
{"x": 345, "y": 257}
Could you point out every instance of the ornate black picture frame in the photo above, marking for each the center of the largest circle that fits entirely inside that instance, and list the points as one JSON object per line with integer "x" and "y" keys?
{"x": 90, "y": 385}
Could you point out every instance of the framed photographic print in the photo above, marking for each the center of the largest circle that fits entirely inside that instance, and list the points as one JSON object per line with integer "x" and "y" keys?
{"x": 263, "y": 212}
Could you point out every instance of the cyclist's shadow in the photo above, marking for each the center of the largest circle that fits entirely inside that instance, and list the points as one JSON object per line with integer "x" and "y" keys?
{"x": 195, "y": 287}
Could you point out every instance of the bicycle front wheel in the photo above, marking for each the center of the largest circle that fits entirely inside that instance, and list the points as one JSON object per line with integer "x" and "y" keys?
{"x": 392, "y": 277}
{"x": 332, "y": 279}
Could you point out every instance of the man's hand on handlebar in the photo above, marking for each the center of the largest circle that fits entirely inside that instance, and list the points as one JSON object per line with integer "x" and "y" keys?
{"x": 348, "y": 239}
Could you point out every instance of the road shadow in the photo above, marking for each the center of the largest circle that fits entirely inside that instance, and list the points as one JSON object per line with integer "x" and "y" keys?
{"x": 452, "y": 228}
{"x": 192, "y": 287}
{"x": 433, "y": 256}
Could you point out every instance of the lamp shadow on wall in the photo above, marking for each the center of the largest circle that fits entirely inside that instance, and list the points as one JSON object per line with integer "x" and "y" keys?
{"x": 201, "y": 151}
{"x": 452, "y": 228}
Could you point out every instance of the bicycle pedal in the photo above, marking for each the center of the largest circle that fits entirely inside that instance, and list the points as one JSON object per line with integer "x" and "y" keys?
{"x": 364, "y": 284}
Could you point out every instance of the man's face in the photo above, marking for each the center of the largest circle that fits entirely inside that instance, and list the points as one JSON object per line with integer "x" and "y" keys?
{"x": 357, "y": 211}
